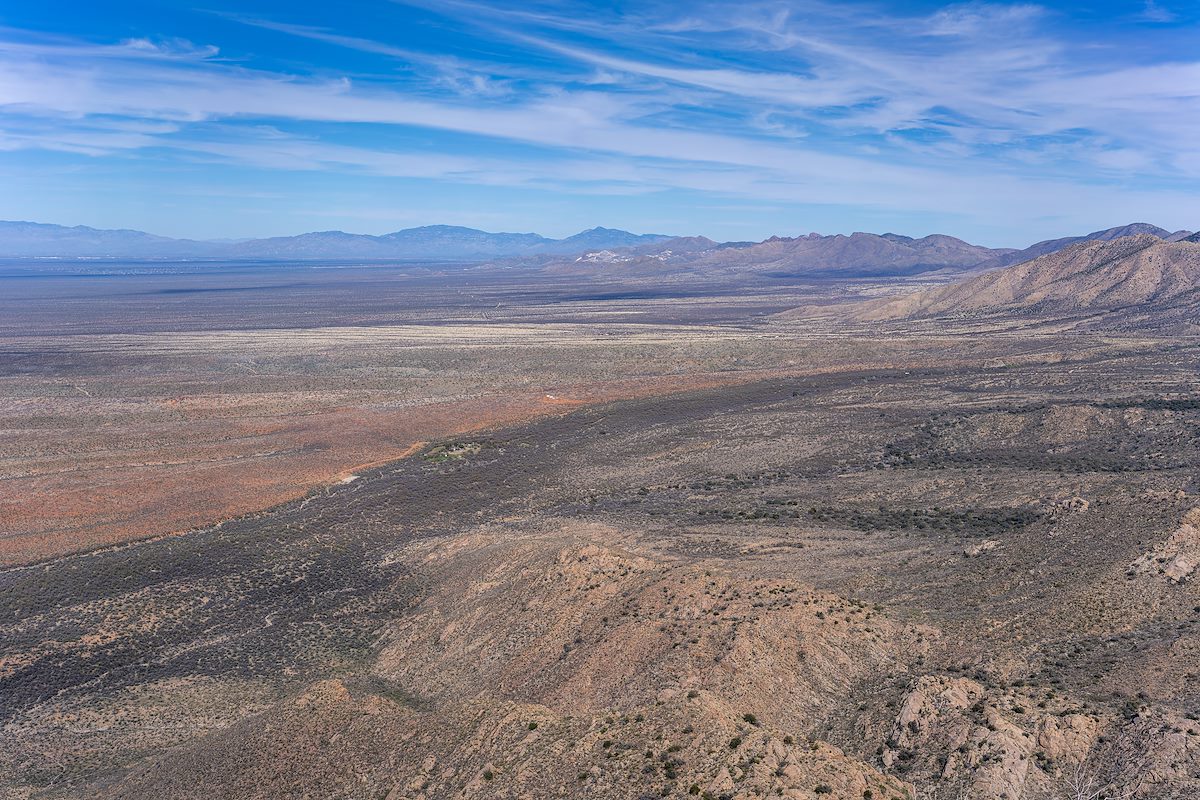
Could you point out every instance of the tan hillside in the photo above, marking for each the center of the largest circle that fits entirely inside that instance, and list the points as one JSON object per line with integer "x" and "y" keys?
{"x": 1136, "y": 281}
{"x": 568, "y": 663}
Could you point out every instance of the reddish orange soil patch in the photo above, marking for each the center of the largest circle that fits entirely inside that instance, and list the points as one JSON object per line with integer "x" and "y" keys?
{"x": 207, "y": 466}
{"x": 110, "y": 438}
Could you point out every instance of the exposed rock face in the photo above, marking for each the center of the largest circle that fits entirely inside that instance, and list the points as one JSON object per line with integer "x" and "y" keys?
{"x": 948, "y": 727}
{"x": 1068, "y": 738}
{"x": 1074, "y": 505}
{"x": 977, "y": 550}
{"x": 994, "y": 743}
{"x": 1176, "y": 558}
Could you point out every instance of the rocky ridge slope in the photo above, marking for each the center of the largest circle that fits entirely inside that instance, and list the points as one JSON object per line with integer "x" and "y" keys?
{"x": 1135, "y": 282}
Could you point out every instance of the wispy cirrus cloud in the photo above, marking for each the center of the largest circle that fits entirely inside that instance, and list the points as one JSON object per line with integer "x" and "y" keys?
{"x": 994, "y": 77}
{"x": 1153, "y": 12}
{"x": 855, "y": 105}
{"x": 446, "y": 72}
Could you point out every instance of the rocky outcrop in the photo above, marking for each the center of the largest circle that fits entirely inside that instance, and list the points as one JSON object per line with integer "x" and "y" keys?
{"x": 1177, "y": 558}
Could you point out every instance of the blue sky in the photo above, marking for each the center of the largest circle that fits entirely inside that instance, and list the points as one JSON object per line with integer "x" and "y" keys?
{"x": 1002, "y": 123}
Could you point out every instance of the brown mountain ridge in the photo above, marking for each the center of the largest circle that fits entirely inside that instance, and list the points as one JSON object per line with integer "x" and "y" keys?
{"x": 823, "y": 257}
{"x": 857, "y": 255}
{"x": 1135, "y": 282}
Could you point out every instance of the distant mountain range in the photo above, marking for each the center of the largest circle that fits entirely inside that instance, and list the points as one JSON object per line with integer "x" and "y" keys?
{"x": 811, "y": 256}
{"x": 596, "y": 252}
{"x": 1138, "y": 282}
{"x": 859, "y": 255}
{"x": 432, "y": 242}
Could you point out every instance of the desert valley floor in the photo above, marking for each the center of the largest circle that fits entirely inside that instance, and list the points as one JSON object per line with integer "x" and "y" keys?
{"x": 371, "y": 534}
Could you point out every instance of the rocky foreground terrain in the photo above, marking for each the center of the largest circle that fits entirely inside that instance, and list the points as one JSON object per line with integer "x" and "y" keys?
{"x": 969, "y": 577}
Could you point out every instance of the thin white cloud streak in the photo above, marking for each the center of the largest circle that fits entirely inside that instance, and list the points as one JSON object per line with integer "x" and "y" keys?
{"x": 787, "y": 90}
{"x": 128, "y": 49}
{"x": 330, "y": 37}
